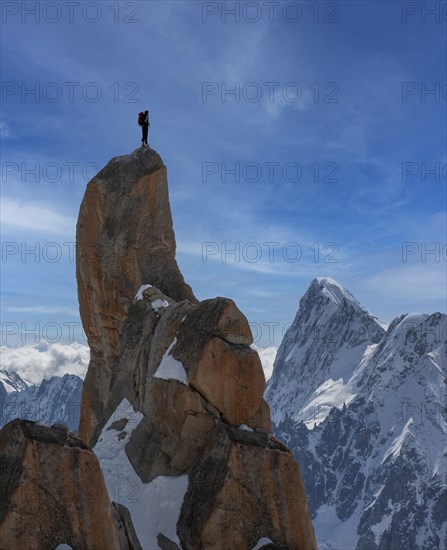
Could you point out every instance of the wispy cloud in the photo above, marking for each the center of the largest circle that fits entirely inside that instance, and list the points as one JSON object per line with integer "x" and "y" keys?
{"x": 35, "y": 217}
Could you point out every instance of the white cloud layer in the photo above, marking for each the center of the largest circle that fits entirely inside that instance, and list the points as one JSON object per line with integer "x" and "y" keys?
{"x": 41, "y": 361}
{"x": 267, "y": 356}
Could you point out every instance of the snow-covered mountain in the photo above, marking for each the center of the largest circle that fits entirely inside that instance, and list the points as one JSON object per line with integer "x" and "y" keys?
{"x": 56, "y": 400}
{"x": 320, "y": 352}
{"x": 11, "y": 381}
{"x": 368, "y": 429}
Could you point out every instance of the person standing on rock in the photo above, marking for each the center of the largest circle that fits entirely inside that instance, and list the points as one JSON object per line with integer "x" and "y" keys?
{"x": 143, "y": 120}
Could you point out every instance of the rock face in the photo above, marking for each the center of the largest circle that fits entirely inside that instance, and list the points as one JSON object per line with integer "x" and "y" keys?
{"x": 374, "y": 457}
{"x": 124, "y": 238}
{"x": 173, "y": 399}
{"x": 53, "y": 491}
{"x": 179, "y": 407}
{"x": 246, "y": 486}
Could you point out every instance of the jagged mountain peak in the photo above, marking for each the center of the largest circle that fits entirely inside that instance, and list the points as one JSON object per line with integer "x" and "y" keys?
{"x": 12, "y": 381}
{"x": 320, "y": 351}
{"x": 333, "y": 290}
{"x": 372, "y": 446}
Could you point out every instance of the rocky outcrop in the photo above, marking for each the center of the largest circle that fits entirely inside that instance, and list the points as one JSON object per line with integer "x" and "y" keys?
{"x": 172, "y": 403}
{"x": 124, "y": 238}
{"x": 173, "y": 399}
{"x": 194, "y": 393}
{"x": 213, "y": 345}
{"x": 184, "y": 378}
{"x": 53, "y": 491}
{"x": 245, "y": 486}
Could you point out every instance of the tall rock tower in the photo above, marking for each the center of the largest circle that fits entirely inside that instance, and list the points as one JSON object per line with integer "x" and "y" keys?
{"x": 124, "y": 238}
{"x": 173, "y": 399}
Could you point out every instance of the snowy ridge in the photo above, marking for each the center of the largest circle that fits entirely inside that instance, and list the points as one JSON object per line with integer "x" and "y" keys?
{"x": 170, "y": 368}
{"x": 11, "y": 381}
{"x": 335, "y": 291}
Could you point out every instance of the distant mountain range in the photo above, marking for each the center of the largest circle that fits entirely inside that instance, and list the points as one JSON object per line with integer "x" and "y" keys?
{"x": 363, "y": 407}
{"x": 56, "y": 400}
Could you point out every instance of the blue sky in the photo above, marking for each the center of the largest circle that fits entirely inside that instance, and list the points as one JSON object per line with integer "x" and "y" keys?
{"x": 332, "y": 138}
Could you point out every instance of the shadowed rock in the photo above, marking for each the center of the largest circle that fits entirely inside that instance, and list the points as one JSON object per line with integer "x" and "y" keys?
{"x": 246, "y": 486}
{"x": 53, "y": 491}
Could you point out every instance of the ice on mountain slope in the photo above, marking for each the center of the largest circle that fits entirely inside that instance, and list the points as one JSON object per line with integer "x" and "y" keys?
{"x": 332, "y": 393}
{"x": 375, "y": 469}
{"x": 155, "y": 506}
{"x": 332, "y": 533}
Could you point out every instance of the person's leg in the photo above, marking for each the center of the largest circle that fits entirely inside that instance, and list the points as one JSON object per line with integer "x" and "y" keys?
{"x": 145, "y": 128}
{"x": 142, "y": 134}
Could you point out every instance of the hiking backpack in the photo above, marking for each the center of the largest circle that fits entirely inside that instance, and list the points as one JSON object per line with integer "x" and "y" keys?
{"x": 141, "y": 119}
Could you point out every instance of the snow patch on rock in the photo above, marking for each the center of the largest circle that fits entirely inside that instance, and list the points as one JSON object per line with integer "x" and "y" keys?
{"x": 155, "y": 506}
{"x": 170, "y": 368}
{"x": 245, "y": 428}
{"x": 262, "y": 542}
{"x": 139, "y": 294}
{"x": 158, "y": 304}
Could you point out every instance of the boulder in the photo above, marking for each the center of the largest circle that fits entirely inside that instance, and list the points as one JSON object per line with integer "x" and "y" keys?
{"x": 213, "y": 344}
{"x": 230, "y": 378}
{"x": 222, "y": 318}
{"x": 246, "y": 486}
{"x": 53, "y": 491}
{"x": 170, "y": 438}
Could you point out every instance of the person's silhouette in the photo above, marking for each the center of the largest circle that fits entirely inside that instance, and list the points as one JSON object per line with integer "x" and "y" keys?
{"x": 145, "y": 128}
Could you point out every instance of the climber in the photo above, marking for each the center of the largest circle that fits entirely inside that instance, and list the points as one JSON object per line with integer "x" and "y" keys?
{"x": 143, "y": 121}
